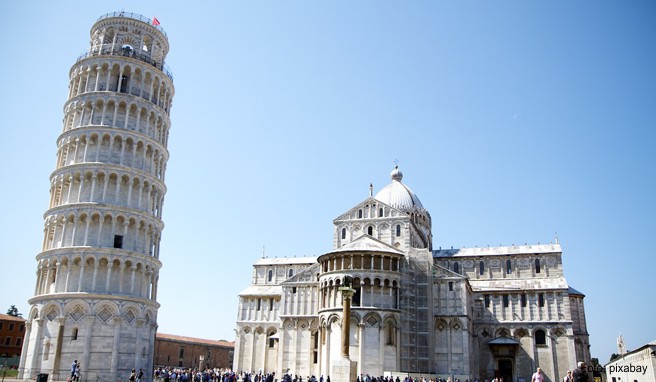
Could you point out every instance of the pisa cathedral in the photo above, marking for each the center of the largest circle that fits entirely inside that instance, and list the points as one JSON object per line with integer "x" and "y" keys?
{"x": 464, "y": 313}
{"x": 95, "y": 299}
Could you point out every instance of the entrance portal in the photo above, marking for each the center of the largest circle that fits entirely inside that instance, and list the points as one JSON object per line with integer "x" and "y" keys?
{"x": 506, "y": 370}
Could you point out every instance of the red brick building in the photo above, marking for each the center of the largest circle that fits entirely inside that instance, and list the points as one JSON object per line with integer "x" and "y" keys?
{"x": 189, "y": 352}
{"x": 12, "y": 332}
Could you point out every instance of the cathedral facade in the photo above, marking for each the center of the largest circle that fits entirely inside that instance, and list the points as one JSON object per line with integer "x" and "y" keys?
{"x": 460, "y": 313}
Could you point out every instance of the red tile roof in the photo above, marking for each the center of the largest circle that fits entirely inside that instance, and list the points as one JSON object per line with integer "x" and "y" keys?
{"x": 7, "y": 317}
{"x": 173, "y": 337}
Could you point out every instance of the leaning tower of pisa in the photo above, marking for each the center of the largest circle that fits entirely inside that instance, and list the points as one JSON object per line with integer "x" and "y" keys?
{"x": 95, "y": 299}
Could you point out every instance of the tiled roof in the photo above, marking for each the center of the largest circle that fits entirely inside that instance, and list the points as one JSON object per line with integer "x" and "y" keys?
{"x": 7, "y": 317}
{"x": 286, "y": 260}
{"x": 172, "y": 337}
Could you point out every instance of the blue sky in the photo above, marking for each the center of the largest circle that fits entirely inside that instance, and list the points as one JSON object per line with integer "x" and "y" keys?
{"x": 511, "y": 120}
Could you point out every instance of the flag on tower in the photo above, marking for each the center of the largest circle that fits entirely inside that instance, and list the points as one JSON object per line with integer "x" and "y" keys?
{"x": 155, "y": 21}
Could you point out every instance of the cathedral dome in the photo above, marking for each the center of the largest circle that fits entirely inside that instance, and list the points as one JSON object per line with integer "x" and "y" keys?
{"x": 397, "y": 194}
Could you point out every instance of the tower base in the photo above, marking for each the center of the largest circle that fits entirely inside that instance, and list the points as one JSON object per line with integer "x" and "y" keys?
{"x": 344, "y": 370}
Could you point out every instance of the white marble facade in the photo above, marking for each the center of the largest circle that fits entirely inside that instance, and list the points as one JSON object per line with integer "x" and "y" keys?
{"x": 95, "y": 299}
{"x": 464, "y": 313}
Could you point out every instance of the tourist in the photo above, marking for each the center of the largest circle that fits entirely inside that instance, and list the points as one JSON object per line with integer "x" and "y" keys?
{"x": 538, "y": 376}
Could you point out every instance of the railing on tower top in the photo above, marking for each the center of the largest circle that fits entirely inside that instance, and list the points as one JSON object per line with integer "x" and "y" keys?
{"x": 121, "y": 51}
{"x": 134, "y": 16}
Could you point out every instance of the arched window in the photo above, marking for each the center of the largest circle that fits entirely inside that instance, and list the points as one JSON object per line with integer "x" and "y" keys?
{"x": 356, "y": 296}
{"x": 270, "y": 277}
{"x": 370, "y": 230}
{"x": 508, "y": 267}
{"x": 456, "y": 267}
{"x": 537, "y": 265}
{"x": 398, "y": 230}
{"x": 481, "y": 268}
{"x": 359, "y": 214}
{"x": 343, "y": 233}
{"x": 540, "y": 337}
{"x": 290, "y": 273}
{"x": 74, "y": 334}
{"x": 380, "y": 212}
{"x": 391, "y": 334}
{"x": 124, "y": 84}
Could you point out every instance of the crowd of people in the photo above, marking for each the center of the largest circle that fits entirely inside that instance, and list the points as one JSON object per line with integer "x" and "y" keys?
{"x": 226, "y": 375}
{"x": 166, "y": 374}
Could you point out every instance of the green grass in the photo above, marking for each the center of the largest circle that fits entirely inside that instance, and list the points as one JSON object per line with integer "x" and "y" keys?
{"x": 11, "y": 373}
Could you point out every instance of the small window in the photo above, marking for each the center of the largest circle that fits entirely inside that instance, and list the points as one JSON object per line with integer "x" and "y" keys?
{"x": 74, "y": 334}
{"x": 19, "y": 341}
{"x": 118, "y": 241}
{"x": 181, "y": 353}
{"x": 537, "y": 265}
{"x": 450, "y": 286}
{"x": 343, "y": 233}
{"x": 272, "y": 342}
{"x": 7, "y": 341}
{"x": 508, "y": 267}
{"x": 290, "y": 273}
{"x": 270, "y": 275}
{"x": 398, "y": 230}
{"x": 21, "y": 328}
{"x": 506, "y": 301}
{"x": 456, "y": 267}
{"x": 523, "y": 298}
{"x": 270, "y": 304}
{"x": 487, "y": 300}
{"x": 380, "y": 212}
{"x": 11, "y": 326}
{"x": 391, "y": 334}
{"x": 293, "y": 289}
{"x": 124, "y": 84}
{"x": 540, "y": 337}
{"x": 370, "y": 231}
{"x": 541, "y": 299}
{"x": 1, "y": 325}
{"x": 481, "y": 268}
{"x": 359, "y": 214}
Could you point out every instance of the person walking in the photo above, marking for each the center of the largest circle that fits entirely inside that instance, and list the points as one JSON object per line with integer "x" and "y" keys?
{"x": 538, "y": 376}
{"x": 580, "y": 374}
{"x": 568, "y": 377}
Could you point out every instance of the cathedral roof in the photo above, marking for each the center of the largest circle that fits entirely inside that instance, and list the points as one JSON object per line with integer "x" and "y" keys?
{"x": 262, "y": 290}
{"x": 397, "y": 194}
{"x": 572, "y": 291}
{"x": 366, "y": 243}
{"x": 522, "y": 284}
{"x": 499, "y": 251}
{"x": 286, "y": 260}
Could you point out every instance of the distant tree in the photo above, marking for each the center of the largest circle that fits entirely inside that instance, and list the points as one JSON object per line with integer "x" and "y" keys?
{"x": 613, "y": 356}
{"x": 13, "y": 311}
